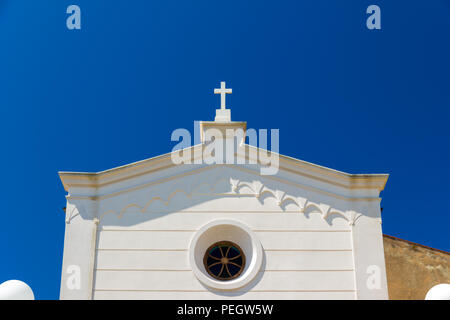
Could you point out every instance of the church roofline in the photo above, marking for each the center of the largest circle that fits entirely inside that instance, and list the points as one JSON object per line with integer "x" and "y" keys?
{"x": 293, "y": 165}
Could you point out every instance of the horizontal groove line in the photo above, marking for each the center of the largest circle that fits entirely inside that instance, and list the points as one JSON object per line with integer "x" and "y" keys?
{"x": 310, "y": 250}
{"x": 267, "y": 250}
{"x": 186, "y": 270}
{"x": 131, "y": 249}
{"x": 149, "y": 270}
{"x": 137, "y": 290}
{"x": 181, "y": 230}
{"x": 153, "y": 230}
{"x": 262, "y": 230}
{"x": 221, "y": 211}
{"x": 325, "y": 270}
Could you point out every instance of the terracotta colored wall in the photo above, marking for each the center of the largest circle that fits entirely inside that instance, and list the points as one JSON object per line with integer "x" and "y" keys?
{"x": 412, "y": 269}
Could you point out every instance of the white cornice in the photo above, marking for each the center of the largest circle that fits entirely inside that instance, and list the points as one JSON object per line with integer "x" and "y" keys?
{"x": 295, "y": 166}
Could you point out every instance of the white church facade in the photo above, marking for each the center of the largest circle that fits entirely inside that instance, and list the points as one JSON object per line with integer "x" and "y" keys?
{"x": 156, "y": 229}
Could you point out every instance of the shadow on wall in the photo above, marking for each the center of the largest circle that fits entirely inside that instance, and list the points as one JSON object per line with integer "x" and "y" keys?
{"x": 156, "y": 202}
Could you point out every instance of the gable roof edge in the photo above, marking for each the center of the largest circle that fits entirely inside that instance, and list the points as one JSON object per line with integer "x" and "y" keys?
{"x": 290, "y": 164}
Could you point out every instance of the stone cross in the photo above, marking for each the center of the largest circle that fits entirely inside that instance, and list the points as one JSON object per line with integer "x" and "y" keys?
{"x": 222, "y": 91}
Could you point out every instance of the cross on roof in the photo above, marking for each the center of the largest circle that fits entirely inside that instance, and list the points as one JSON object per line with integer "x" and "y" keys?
{"x": 222, "y": 91}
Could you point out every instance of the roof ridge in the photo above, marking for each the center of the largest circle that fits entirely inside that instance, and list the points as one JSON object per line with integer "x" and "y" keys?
{"x": 415, "y": 244}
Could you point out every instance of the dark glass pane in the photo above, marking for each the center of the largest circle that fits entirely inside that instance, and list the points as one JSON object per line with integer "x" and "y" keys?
{"x": 215, "y": 252}
{"x": 210, "y": 261}
{"x": 224, "y": 274}
{"x": 224, "y": 260}
{"x": 238, "y": 261}
{"x": 233, "y": 252}
{"x": 233, "y": 269}
{"x": 216, "y": 269}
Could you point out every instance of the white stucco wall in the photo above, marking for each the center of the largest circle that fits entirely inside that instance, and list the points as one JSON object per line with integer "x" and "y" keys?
{"x": 318, "y": 239}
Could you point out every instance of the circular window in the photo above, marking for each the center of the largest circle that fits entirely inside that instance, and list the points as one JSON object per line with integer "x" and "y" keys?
{"x": 225, "y": 254}
{"x": 224, "y": 260}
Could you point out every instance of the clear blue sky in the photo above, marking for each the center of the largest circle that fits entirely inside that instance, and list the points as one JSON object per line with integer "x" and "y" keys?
{"x": 343, "y": 96}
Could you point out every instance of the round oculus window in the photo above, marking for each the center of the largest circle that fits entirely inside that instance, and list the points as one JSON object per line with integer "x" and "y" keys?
{"x": 224, "y": 260}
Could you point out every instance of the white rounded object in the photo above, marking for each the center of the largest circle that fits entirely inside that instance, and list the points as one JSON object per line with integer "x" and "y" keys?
{"x": 439, "y": 292}
{"x": 15, "y": 290}
{"x": 226, "y": 230}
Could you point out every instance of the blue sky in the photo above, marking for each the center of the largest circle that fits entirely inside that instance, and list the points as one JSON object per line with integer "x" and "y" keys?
{"x": 343, "y": 96}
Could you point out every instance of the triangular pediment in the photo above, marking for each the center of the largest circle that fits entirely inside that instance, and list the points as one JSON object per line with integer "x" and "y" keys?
{"x": 288, "y": 167}
{"x": 187, "y": 188}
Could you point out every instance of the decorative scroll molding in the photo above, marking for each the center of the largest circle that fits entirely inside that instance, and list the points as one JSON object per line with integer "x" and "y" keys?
{"x": 257, "y": 190}
{"x": 74, "y": 211}
{"x": 352, "y": 217}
